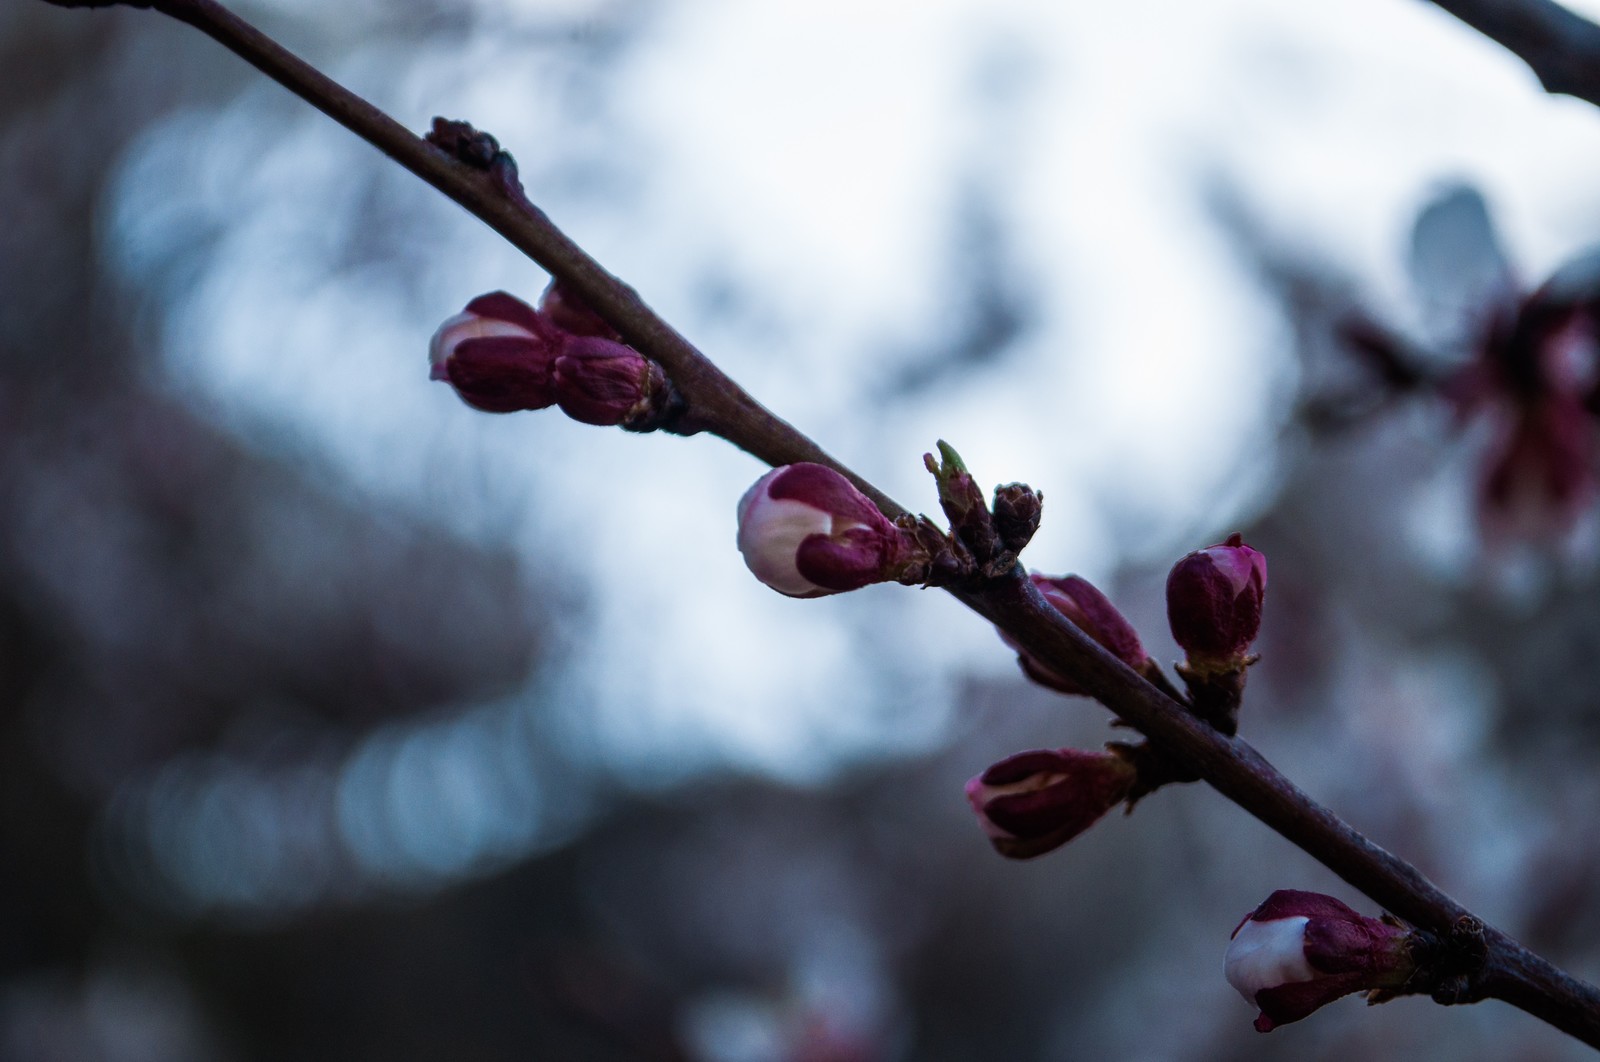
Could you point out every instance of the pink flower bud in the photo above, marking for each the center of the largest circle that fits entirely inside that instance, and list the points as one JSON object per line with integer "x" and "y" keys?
{"x": 806, "y": 531}
{"x": 563, "y": 309}
{"x": 497, "y": 354}
{"x": 1092, "y": 613}
{"x": 1301, "y": 950}
{"x": 1037, "y": 801}
{"x": 1214, "y": 600}
{"x": 601, "y": 381}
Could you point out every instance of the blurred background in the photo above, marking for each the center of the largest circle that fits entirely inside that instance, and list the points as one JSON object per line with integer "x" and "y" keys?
{"x": 340, "y": 721}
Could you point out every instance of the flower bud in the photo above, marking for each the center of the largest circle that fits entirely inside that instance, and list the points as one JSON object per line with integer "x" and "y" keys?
{"x": 1092, "y": 613}
{"x": 1301, "y": 950}
{"x": 497, "y": 354}
{"x": 964, "y": 505}
{"x": 1214, "y": 600}
{"x": 600, "y": 381}
{"x": 806, "y": 531}
{"x": 1017, "y": 508}
{"x": 566, "y": 311}
{"x": 1037, "y": 801}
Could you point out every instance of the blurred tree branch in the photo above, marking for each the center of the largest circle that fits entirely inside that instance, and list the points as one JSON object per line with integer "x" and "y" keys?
{"x": 1561, "y": 47}
{"x": 483, "y": 180}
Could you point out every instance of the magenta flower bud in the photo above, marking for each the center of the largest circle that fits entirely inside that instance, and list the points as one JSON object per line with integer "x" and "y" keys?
{"x": 1035, "y": 802}
{"x": 1214, "y": 600}
{"x": 497, "y": 354}
{"x": 806, "y": 531}
{"x": 1301, "y": 950}
{"x": 566, "y": 311}
{"x": 1092, "y": 613}
{"x": 601, "y": 381}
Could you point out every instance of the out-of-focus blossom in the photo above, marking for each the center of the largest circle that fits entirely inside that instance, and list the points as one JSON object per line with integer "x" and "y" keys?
{"x": 1037, "y": 801}
{"x": 1091, "y": 612}
{"x": 1524, "y": 362}
{"x": 1541, "y": 475}
{"x": 1214, "y": 598}
{"x": 1301, "y": 950}
{"x": 806, "y": 531}
{"x": 497, "y": 354}
{"x": 1534, "y": 378}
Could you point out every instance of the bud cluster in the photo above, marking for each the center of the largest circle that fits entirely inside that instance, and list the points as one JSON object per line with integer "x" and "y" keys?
{"x": 984, "y": 541}
{"x": 502, "y": 355}
{"x": 806, "y": 531}
{"x": 1214, "y": 599}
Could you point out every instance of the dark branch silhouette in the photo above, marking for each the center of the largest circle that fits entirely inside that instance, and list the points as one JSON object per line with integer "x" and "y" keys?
{"x": 1562, "y": 48}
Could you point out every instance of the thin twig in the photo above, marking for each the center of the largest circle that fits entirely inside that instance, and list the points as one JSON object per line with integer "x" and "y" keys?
{"x": 1230, "y": 765}
{"x": 1562, "y": 48}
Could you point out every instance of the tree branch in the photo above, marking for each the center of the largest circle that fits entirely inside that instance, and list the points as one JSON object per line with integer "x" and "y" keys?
{"x": 1513, "y": 973}
{"x": 1562, "y": 48}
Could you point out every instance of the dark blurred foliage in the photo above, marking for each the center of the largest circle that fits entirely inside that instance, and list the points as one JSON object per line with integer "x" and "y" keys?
{"x": 191, "y": 623}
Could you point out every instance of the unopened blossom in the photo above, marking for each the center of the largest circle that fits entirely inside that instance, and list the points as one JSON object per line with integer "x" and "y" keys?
{"x": 1301, "y": 950}
{"x": 600, "y": 381}
{"x": 806, "y": 531}
{"x": 1017, "y": 508}
{"x": 1091, "y": 612}
{"x": 1037, "y": 801}
{"x": 497, "y": 354}
{"x": 1214, "y": 598}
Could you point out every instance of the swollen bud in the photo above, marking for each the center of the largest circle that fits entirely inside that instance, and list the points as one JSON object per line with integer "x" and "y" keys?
{"x": 806, "y": 531}
{"x": 497, "y": 354}
{"x": 1035, "y": 802}
{"x": 1301, "y": 950}
{"x": 1017, "y": 508}
{"x": 600, "y": 381}
{"x": 1214, "y": 598}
